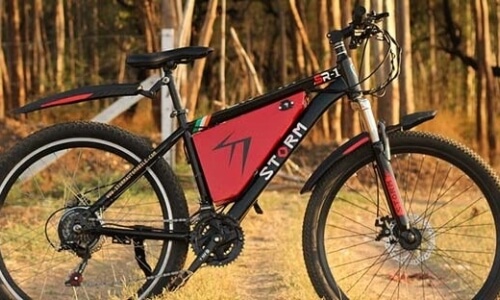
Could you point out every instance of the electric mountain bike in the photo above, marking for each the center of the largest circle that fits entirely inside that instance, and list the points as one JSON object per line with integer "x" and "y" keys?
{"x": 90, "y": 211}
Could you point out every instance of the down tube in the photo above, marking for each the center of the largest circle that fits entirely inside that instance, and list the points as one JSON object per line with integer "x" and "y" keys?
{"x": 318, "y": 105}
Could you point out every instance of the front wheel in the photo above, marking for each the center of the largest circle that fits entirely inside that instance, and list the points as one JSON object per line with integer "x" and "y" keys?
{"x": 48, "y": 181}
{"x": 351, "y": 242}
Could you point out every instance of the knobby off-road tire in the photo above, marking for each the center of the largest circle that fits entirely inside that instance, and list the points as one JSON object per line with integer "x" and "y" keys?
{"x": 451, "y": 197}
{"x": 55, "y": 173}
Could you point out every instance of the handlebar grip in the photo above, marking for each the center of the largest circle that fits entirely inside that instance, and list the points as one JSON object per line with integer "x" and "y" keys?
{"x": 358, "y": 15}
{"x": 381, "y": 16}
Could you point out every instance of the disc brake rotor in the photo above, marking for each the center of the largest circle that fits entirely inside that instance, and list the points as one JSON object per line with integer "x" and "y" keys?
{"x": 411, "y": 257}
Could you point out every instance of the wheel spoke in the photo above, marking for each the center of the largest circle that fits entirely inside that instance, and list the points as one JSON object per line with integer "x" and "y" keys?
{"x": 60, "y": 172}
{"x": 446, "y": 193}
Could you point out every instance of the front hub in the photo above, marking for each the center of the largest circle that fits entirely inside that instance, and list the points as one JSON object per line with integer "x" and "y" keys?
{"x": 412, "y": 246}
{"x": 410, "y": 239}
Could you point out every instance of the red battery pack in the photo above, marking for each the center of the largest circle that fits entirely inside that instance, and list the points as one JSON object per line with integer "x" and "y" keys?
{"x": 232, "y": 152}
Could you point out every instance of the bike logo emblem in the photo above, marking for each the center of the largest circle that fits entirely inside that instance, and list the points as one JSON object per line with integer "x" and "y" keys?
{"x": 245, "y": 142}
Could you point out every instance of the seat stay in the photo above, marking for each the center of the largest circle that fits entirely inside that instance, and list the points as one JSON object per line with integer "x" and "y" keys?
{"x": 172, "y": 57}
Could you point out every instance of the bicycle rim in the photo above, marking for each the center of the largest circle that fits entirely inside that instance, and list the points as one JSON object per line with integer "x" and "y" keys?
{"x": 451, "y": 207}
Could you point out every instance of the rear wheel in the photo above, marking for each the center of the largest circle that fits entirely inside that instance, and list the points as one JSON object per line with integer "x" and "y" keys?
{"x": 352, "y": 247}
{"x": 48, "y": 181}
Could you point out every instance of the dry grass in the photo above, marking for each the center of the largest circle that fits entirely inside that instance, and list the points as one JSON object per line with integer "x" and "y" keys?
{"x": 271, "y": 265}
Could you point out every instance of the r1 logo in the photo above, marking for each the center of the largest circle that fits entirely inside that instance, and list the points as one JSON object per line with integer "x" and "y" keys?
{"x": 326, "y": 76}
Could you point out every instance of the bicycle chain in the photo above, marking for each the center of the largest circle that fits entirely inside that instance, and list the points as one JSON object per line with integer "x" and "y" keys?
{"x": 224, "y": 228}
{"x": 151, "y": 277}
{"x": 110, "y": 221}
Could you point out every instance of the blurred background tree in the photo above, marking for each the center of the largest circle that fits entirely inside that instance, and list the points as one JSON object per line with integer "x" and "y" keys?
{"x": 451, "y": 55}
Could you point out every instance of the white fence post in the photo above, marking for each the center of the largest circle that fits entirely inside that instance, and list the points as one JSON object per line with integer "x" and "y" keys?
{"x": 124, "y": 103}
{"x": 105, "y": 116}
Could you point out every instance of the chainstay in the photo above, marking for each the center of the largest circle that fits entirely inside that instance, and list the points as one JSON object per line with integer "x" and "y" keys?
{"x": 110, "y": 221}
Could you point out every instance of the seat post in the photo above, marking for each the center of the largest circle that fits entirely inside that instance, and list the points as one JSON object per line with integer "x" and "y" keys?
{"x": 179, "y": 112}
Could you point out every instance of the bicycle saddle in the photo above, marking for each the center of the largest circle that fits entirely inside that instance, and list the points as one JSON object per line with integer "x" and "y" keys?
{"x": 168, "y": 58}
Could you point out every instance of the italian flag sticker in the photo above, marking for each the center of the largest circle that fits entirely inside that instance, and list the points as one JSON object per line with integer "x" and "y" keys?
{"x": 201, "y": 123}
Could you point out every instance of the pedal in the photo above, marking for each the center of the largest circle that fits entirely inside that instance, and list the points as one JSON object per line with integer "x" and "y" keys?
{"x": 179, "y": 280}
{"x": 140, "y": 257}
{"x": 184, "y": 275}
{"x": 257, "y": 208}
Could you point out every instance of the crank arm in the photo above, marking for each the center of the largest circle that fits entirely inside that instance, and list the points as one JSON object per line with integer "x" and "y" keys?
{"x": 182, "y": 277}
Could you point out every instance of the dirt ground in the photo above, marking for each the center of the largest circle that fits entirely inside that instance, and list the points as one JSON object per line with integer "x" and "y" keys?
{"x": 271, "y": 265}
{"x": 263, "y": 271}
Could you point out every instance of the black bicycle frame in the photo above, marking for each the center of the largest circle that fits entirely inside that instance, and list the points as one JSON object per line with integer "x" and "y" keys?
{"x": 318, "y": 105}
{"x": 340, "y": 80}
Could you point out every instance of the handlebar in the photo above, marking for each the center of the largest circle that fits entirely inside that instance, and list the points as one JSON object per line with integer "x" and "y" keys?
{"x": 361, "y": 27}
{"x": 358, "y": 15}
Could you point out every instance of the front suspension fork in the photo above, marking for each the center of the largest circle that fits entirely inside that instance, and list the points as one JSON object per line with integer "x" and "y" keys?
{"x": 381, "y": 147}
{"x": 389, "y": 183}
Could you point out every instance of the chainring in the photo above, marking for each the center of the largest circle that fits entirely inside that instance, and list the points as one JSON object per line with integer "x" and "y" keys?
{"x": 225, "y": 227}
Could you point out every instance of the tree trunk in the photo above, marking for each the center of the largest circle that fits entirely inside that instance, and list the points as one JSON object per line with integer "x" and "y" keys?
{"x": 39, "y": 66}
{"x": 470, "y": 96}
{"x": 60, "y": 43}
{"x": 283, "y": 43}
{"x": 27, "y": 47}
{"x": 248, "y": 62}
{"x": 486, "y": 79}
{"x": 150, "y": 24}
{"x": 366, "y": 68}
{"x": 184, "y": 40}
{"x": 222, "y": 74}
{"x": 2, "y": 70}
{"x": 406, "y": 75}
{"x": 336, "y": 114}
{"x": 326, "y": 57}
{"x": 350, "y": 118}
{"x": 197, "y": 72}
{"x": 303, "y": 35}
{"x": 433, "y": 92}
{"x": 94, "y": 54}
{"x": 299, "y": 54}
{"x": 323, "y": 29}
{"x": 378, "y": 51}
{"x": 122, "y": 52}
{"x": 19, "y": 95}
{"x": 248, "y": 35}
{"x": 388, "y": 105}
{"x": 71, "y": 43}
{"x": 497, "y": 12}
{"x": 480, "y": 82}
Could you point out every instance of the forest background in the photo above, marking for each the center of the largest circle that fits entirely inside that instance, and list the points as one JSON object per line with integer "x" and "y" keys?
{"x": 451, "y": 56}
